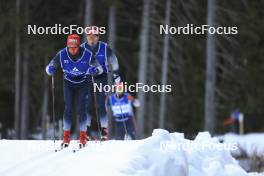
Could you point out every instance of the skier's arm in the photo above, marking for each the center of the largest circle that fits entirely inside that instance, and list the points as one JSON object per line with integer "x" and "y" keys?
{"x": 229, "y": 121}
{"x": 135, "y": 103}
{"x": 53, "y": 65}
{"x": 112, "y": 60}
{"x": 113, "y": 65}
{"x": 132, "y": 101}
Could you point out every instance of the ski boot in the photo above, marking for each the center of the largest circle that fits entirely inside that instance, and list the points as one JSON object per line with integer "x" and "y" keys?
{"x": 83, "y": 139}
{"x": 66, "y": 139}
{"x": 104, "y": 133}
{"x": 89, "y": 133}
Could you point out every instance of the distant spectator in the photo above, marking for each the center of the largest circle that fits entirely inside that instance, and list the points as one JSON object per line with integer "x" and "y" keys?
{"x": 233, "y": 121}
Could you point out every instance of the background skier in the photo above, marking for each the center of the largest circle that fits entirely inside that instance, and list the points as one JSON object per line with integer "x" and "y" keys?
{"x": 121, "y": 104}
{"x": 103, "y": 61}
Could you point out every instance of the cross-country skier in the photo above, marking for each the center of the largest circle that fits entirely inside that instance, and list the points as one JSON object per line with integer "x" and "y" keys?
{"x": 103, "y": 61}
{"x": 74, "y": 62}
{"x": 121, "y": 104}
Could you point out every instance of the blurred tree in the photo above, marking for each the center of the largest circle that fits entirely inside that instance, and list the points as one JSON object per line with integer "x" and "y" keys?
{"x": 17, "y": 72}
{"x": 25, "y": 96}
{"x": 88, "y": 15}
{"x": 111, "y": 34}
{"x": 45, "y": 103}
{"x": 143, "y": 56}
{"x": 210, "y": 115}
{"x": 164, "y": 74}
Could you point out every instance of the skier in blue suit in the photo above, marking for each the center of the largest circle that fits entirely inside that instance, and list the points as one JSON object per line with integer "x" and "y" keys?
{"x": 75, "y": 64}
{"x": 121, "y": 105}
{"x": 103, "y": 61}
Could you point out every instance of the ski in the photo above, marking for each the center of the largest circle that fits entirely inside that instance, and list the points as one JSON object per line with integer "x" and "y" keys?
{"x": 62, "y": 146}
{"x": 80, "y": 146}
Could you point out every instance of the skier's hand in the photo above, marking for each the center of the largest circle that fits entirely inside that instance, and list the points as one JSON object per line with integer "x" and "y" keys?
{"x": 117, "y": 78}
{"x": 136, "y": 103}
{"x": 93, "y": 71}
{"x": 50, "y": 70}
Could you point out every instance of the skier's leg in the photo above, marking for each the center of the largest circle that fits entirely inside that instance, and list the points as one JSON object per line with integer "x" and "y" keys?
{"x": 89, "y": 107}
{"x": 68, "y": 107}
{"x": 81, "y": 107}
{"x": 102, "y": 115}
{"x": 130, "y": 129}
{"x": 119, "y": 131}
{"x": 67, "y": 115}
{"x": 100, "y": 96}
{"x": 101, "y": 109}
{"x": 81, "y": 98}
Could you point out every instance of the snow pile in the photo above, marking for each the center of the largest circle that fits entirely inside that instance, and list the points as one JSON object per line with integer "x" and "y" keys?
{"x": 162, "y": 154}
{"x": 249, "y": 150}
{"x": 172, "y": 154}
{"x": 250, "y": 144}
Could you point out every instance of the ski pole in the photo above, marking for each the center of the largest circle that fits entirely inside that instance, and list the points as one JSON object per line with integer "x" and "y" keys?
{"x": 53, "y": 107}
{"x": 96, "y": 110}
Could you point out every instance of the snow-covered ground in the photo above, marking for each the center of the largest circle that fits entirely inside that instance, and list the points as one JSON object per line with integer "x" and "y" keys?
{"x": 162, "y": 154}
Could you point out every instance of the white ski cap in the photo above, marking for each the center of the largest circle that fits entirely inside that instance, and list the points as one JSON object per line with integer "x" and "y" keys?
{"x": 92, "y": 30}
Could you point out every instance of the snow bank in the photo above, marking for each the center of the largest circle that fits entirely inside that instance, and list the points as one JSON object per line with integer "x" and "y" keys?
{"x": 250, "y": 144}
{"x": 162, "y": 154}
{"x": 170, "y": 154}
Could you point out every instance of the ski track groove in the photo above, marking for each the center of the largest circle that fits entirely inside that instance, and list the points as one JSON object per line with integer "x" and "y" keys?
{"x": 39, "y": 162}
{"x": 46, "y": 162}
